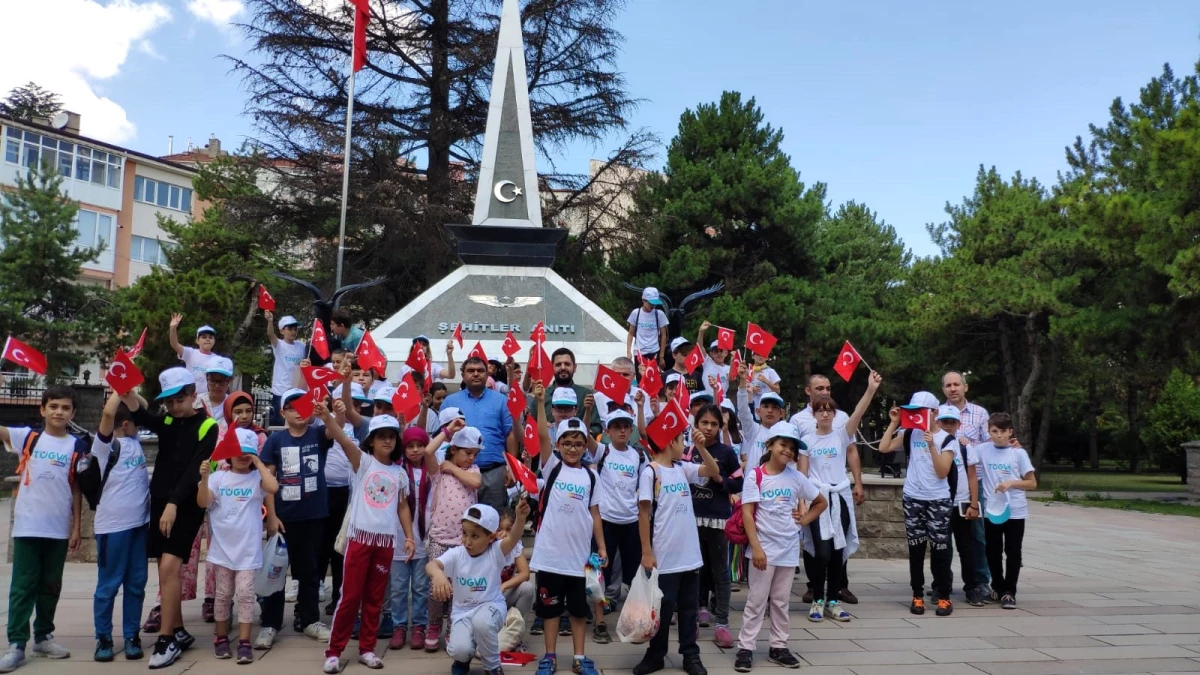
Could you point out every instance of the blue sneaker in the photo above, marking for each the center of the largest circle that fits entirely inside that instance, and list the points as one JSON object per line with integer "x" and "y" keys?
{"x": 583, "y": 666}
{"x": 104, "y": 650}
{"x": 460, "y": 668}
{"x": 547, "y": 666}
{"x": 133, "y": 649}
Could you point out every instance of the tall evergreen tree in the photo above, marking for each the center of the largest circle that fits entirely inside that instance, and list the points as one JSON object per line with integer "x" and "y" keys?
{"x": 29, "y": 101}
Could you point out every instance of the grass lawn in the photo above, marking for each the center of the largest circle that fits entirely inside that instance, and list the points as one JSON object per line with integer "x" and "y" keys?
{"x": 1143, "y": 505}
{"x": 1109, "y": 481}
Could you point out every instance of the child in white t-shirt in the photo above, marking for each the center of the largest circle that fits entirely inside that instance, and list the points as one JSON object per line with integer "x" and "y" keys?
{"x": 470, "y": 575}
{"x": 671, "y": 542}
{"x": 1007, "y": 474}
{"x": 195, "y": 359}
{"x": 648, "y": 329}
{"x": 288, "y": 352}
{"x": 773, "y": 498}
{"x": 234, "y": 500}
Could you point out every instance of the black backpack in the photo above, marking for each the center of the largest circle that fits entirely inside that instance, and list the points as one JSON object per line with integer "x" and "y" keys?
{"x": 544, "y": 498}
{"x": 643, "y": 460}
{"x": 952, "y": 477}
{"x": 92, "y": 478}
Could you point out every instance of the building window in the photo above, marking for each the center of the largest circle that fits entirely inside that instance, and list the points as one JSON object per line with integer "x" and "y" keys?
{"x": 72, "y": 161}
{"x": 94, "y": 229}
{"x": 147, "y": 250}
{"x": 163, "y": 195}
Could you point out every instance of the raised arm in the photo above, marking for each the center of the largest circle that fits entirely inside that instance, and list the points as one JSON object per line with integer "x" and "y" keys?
{"x": 873, "y": 383}
{"x": 109, "y": 415}
{"x": 518, "y": 528}
{"x": 269, "y": 483}
{"x": 173, "y": 334}
{"x": 890, "y": 442}
{"x": 451, "y": 372}
{"x": 204, "y": 496}
{"x": 271, "y": 336}
{"x": 335, "y": 432}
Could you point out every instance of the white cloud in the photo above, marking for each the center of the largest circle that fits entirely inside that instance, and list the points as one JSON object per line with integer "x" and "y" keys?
{"x": 93, "y": 43}
{"x": 217, "y": 12}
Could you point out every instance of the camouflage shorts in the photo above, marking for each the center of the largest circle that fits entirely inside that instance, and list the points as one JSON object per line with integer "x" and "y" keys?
{"x": 927, "y": 520}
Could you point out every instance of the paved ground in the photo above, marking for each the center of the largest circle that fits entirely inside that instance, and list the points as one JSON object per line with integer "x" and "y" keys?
{"x": 1102, "y": 592}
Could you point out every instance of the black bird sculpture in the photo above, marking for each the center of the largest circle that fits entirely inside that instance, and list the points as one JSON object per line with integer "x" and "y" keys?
{"x": 323, "y": 307}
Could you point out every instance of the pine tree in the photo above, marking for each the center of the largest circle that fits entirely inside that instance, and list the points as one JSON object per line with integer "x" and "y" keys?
{"x": 29, "y": 101}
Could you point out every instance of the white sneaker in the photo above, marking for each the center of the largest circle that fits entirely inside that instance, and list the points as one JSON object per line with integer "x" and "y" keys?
{"x": 13, "y": 658}
{"x": 49, "y": 649}
{"x": 333, "y": 665}
{"x": 165, "y": 655}
{"x": 266, "y": 638}
{"x": 326, "y": 591}
{"x": 835, "y": 611}
{"x": 816, "y": 613}
{"x": 317, "y": 631}
{"x": 370, "y": 660}
{"x": 291, "y": 590}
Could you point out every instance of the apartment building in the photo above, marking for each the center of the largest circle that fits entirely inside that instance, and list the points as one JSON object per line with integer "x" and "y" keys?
{"x": 121, "y": 193}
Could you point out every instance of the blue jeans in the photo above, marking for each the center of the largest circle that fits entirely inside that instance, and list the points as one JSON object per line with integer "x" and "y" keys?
{"x": 121, "y": 558}
{"x": 399, "y": 592}
{"x": 979, "y": 550}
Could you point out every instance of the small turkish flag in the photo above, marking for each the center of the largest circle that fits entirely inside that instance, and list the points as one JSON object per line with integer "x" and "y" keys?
{"x": 265, "y": 301}
{"x": 319, "y": 376}
{"x": 735, "y": 365}
{"x": 369, "y": 356}
{"x": 407, "y": 399}
{"x": 695, "y": 359}
{"x": 362, "y": 16}
{"x": 669, "y": 424}
{"x": 539, "y": 365}
{"x": 305, "y": 405}
{"x": 522, "y": 473}
{"x": 477, "y": 350}
{"x": 538, "y": 334}
{"x": 320, "y": 343}
{"x": 915, "y": 419}
{"x": 511, "y": 346}
{"x": 417, "y": 360}
{"x": 228, "y": 447}
{"x": 458, "y": 334}
{"x": 25, "y": 356}
{"x": 532, "y": 445}
{"x": 683, "y": 396}
{"x": 847, "y": 361}
{"x": 516, "y": 402}
{"x": 724, "y": 338}
{"x": 137, "y": 349}
{"x": 718, "y": 395}
{"x": 610, "y": 383}
{"x": 759, "y": 341}
{"x": 651, "y": 382}
{"x": 122, "y": 375}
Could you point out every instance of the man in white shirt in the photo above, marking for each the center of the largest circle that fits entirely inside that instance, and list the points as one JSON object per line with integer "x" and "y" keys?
{"x": 818, "y": 385}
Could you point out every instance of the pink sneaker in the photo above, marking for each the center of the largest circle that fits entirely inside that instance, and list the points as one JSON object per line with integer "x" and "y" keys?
{"x": 433, "y": 638}
{"x": 723, "y": 637}
{"x": 399, "y": 638}
{"x": 417, "y": 641}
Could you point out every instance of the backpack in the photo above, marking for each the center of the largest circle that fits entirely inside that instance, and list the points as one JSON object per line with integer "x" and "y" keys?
{"x": 544, "y": 498}
{"x": 642, "y": 459}
{"x": 91, "y": 478}
{"x": 82, "y": 444}
{"x": 735, "y": 527}
{"x": 952, "y": 477}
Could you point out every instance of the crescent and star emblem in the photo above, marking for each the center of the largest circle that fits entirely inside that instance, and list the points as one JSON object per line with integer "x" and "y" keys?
{"x": 606, "y": 381}
{"x": 756, "y": 339}
{"x": 498, "y": 191}
{"x": 847, "y": 358}
{"x": 919, "y": 419}
{"x": 19, "y": 355}
{"x": 403, "y": 389}
{"x": 672, "y": 420}
{"x": 112, "y": 370}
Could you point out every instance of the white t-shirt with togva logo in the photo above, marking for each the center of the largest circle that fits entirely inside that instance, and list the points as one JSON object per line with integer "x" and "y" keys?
{"x": 1003, "y": 464}
{"x": 125, "y": 501}
{"x": 43, "y": 507}
{"x": 235, "y": 516}
{"x": 617, "y": 484}
{"x": 475, "y": 579}
{"x": 567, "y": 521}
{"x": 675, "y": 540}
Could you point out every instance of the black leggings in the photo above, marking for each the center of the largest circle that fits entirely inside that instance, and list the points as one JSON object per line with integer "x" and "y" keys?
{"x": 827, "y": 568}
{"x": 1004, "y": 540}
{"x": 681, "y": 594}
{"x": 964, "y": 541}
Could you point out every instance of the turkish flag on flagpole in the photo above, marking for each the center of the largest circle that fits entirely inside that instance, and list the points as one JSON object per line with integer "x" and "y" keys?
{"x": 477, "y": 350}
{"x": 682, "y": 395}
{"x": 539, "y": 365}
{"x": 511, "y": 346}
{"x": 305, "y": 405}
{"x": 137, "y": 349}
{"x": 407, "y": 400}
{"x": 265, "y": 301}
{"x": 848, "y": 360}
{"x": 538, "y": 334}
{"x": 759, "y": 341}
{"x": 718, "y": 395}
{"x": 122, "y": 374}
{"x": 651, "y": 382}
{"x": 670, "y": 423}
{"x": 319, "y": 376}
{"x": 724, "y": 338}
{"x": 362, "y": 16}
{"x": 417, "y": 360}
{"x": 458, "y": 334}
{"x": 25, "y": 356}
{"x": 610, "y": 383}
{"x": 521, "y": 473}
{"x": 516, "y": 402}
{"x": 915, "y": 419}
{"x": 369, "y": 356}
{"x": 695, "y": 359}
{"x": 533, "y": 446}
{"x": 735, "y": 365}
{"x": 320, "y": 343}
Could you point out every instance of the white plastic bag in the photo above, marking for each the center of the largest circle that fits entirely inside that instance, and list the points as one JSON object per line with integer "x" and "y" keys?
{"x": 272, "y": 576}
{"x": 514, "y": 628}
{"x": 593, "y": 580}
{"x": 639, "y": 619}
{"x": 339, "y": 542}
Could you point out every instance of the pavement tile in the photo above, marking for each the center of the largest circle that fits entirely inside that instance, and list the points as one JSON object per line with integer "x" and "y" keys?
{"x": 984, "y": 655}
{"x": 1124, "y": 652}
{"x": 925, "y": 644}
{"x": 864, "y": 658}
{"x": 1089, "y": 667}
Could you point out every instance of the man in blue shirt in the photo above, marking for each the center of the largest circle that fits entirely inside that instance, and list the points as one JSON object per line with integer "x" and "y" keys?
{"x": 486, "y": 410}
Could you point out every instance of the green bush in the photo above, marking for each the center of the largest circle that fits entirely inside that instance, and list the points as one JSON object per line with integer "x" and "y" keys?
{"x": 1173, "y": 420}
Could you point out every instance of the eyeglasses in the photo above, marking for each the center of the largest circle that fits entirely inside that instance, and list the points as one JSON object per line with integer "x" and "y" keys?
{"x": 566, "y": 445}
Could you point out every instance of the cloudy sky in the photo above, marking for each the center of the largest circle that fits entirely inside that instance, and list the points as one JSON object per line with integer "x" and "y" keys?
{"x": 892, "y": 104}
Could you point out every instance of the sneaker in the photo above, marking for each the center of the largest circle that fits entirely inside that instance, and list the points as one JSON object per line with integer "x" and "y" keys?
{"x": 705, "y": 619}
{"x": 221, "y": 648}
{"x": 13, "y": 658}
{"x": 744, "y": 661}
{"x": 370, "y": 660}
{"x": 975, "y": 598}
{"x": 49, "y": 649}
{"x": 330, "y": 608}
{"x": 417, "y": 641}
{"x": 600, "y": 634}
{"x": 848, "y": 597}
{"x": 835, "y": 611}
{"x": 291, "y": 590}
{"x": 153, "y": 621}
{"x": 917, "y": 606}
{"x": 547, "y": 666}
{"x": 816, "y": 612}
{"x": 649, "y": 664}
{"x": 104, "y": 650}
{"x": 133, "y": 649}
{"x": 783, "y": 657}
{"x": 166, "y": 653}
{"x": 944, "y": 608}
{"x": 399, "y": 638}
{"x": 184, "y": 639}
{"x": 333, "y": 665}
{"x": 206, "y": 611}
{"x": 266, "y": 638}
{"x": 1007, "y": 601}
{"x": 583, "y": 666}
{"x": 992, "y": 596}
{"x": 326, "y": 591}
{"x": 433, "y": 637}
{"x": 723, "y": 637}
{"x": 245, "y": 653}
{"x": 317, "y": 631}
{"x": 808, "y": 596}
{"x": 460, "y": 668}
{"x": 692, "y": 665}
{"x": 564, "y": 626}
{"x": 538, "y": 626}
{"x": 386, "y": 626}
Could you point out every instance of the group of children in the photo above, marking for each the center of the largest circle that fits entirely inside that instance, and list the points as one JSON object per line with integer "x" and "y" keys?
{"x": 390, "y": 504}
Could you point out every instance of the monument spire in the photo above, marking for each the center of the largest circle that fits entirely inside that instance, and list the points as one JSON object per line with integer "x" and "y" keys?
{"x": 507, "y": 194}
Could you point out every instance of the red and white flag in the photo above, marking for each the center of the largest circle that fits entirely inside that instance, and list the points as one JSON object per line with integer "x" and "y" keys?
{"x": 511, "y": 346}
{"x": 670, "y": 423}
{"x": 122, "y": 374}
{"x": 362, "y": 16}
{"x": 759, "y": 341}
{"x": 265, "y": 301}
{"x": 683, "y": 396}
{"x": 407, "y": 399}
{"x": 319, "y": 376}
{"x": 305, "y": 405}
{"x": 735, "y": 365}
{"x": 718, "y": 395}
{"x": 915, "y": 419}
{"x": 369, "y": 356}
{"x": 137, "y": 349}
{"x": 651, "y": 381}
{"x": 724, "y": 338}
{"x": 477, "y": 350}
{"x": 610, "y": 383}
{"x": 533, "y": 446}
{"x": 516, "y": 402}
{"x": 848, "y": 360}
{"x": 539, "y": 365}
{"x": 417, "y": 359}
{"x": 695, "y": 359}
{"x": 228, "y": 447}
{"x": 320, "y": 343}
{"x": 458, "y": 334}
{"x": 25, "y": 356}
{"x": 538, "y": 334}
{"x": 521, "y": 473}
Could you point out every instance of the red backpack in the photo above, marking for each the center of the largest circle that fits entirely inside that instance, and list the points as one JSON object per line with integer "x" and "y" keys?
{"x": 735, "y": 529}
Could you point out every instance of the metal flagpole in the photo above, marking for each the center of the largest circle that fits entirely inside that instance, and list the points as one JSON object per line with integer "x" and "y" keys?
{"x": 345, "y": 176}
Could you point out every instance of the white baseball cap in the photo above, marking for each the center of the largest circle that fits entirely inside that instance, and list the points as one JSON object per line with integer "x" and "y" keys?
{"x": 206, "y": 329}
{"x": 771, "y": 397}
{"x": 448, "y": 414}
{"x": 650, "y": 295}
{"x": 383, "y": 422}
{"x": 564, "y": 396}
{"x": 248, "y": 440}
{"x": 173, "y": 380}
{"x": 483, "y": 516}
{"x": 616, "y": 415}
{"x": 948, "y": 412}
{"x": 673, "y": 377}
{"x": 677, "y": 343}
{"x": 701, "y": 395}
{"x": 288, "y": 321}
{"x": 727, "y": 404}
{"x": 468, "y": 437}
{"x": 573, "y": 424}
{"x": 220, "y": 366}
{"x": 713, "y": 345}
{"x": 290, "y": 394}
{"x": 384, "y": 394}
{"x": 786, "y": 430}
{"x": 920, "y": 400}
